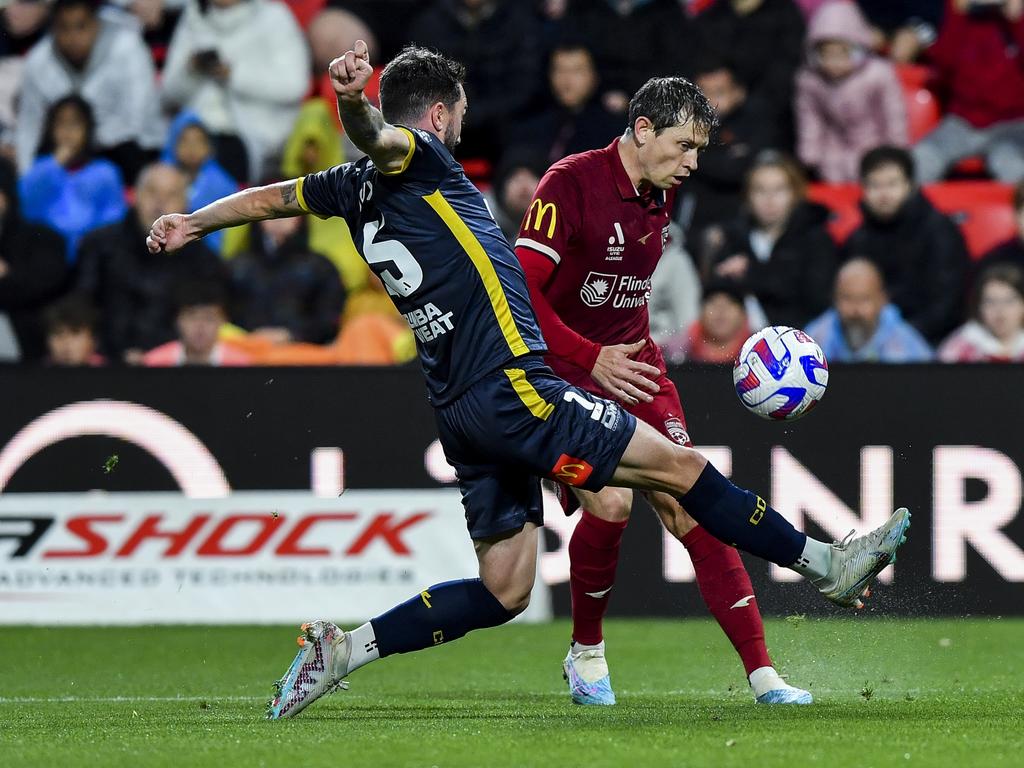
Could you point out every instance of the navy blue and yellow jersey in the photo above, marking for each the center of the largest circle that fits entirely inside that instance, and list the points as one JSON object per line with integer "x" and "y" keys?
{"x": 425, "y": 230}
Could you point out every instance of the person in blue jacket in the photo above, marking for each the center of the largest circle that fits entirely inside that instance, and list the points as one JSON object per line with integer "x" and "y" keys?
{"x": 190, "y": 149}
{"x": 68, "y": 188}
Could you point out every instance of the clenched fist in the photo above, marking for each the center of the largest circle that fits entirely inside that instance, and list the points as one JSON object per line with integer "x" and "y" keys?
{"x": 169, "y": 233}
{"x": 351, "y": 71}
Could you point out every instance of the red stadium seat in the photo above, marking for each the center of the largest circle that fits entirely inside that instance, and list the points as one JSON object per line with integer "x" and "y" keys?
{"x": 923, "y": 111}
{"x": 693, "y": 7}
{"x": 842, "y": 200}
{"x": 982, "y": 209}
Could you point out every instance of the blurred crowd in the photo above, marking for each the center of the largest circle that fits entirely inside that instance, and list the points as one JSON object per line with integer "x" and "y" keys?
{"x": 866, "y": 182}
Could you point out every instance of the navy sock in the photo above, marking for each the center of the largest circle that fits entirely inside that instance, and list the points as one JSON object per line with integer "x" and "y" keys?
{"x": 439, "y": 614}
{"x": 741, "y": 518}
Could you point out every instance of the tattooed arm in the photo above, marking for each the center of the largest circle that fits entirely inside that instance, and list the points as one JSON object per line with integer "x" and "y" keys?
{"x": 387, "y": 146}
{"x": 275, "y": 201}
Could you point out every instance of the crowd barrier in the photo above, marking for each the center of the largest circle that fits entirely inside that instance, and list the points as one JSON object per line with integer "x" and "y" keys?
{"x": 200, "y": 495}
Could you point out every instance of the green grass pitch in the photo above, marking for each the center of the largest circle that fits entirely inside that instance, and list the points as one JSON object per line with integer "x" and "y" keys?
{"x": 889, "y": 692}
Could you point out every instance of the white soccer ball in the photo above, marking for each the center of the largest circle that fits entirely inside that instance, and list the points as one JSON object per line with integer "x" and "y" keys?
{"x": 781, "y": 373}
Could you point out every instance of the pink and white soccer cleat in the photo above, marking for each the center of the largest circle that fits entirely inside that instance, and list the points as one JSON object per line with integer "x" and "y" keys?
{"x": 318, "y": 669}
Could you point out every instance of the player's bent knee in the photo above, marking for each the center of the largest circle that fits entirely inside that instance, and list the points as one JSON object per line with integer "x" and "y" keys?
{"x": 515, "y": 598}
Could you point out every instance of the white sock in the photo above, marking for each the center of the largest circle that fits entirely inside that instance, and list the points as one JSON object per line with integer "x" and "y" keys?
{"x": 364, "y": 647}
{"x": 764, "y": 679}
{"x": 814, "y": 561}
{"x": 580, "y": 647}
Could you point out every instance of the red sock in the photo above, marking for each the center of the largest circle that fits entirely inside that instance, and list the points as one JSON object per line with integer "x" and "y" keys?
{"x": 724, "y": 583}
{"x": 593, "y": 557}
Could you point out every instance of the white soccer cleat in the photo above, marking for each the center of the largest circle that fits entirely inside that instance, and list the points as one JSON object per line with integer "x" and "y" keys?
{"x": 317, "y": 670}
{"x": 770, "y": 688}
{"x": 857, "y": 561}
{"x": 586, "y": 672}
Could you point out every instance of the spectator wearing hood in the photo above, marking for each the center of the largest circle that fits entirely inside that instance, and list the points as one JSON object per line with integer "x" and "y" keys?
{"x": 315, "y": 145}
{"x": 920, "y": 252}
{"x": 68, "y": 188}
{"x": 190, "y": 148}
{"x": 979, "y": 62}
{"x": 282, "y": 289}
{"x": 848, "y": 100}
{"x": 862, "y": 326}
{"x": 243, "y": 67}
{"x": 777, "y": 252}
{"x": 107, "y": 63}
{"x": 32, "y": 272}
{"x": 134, "y": 287}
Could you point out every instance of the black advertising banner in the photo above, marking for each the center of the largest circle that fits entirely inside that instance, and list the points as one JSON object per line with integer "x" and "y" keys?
{"x": 941, "y": 440}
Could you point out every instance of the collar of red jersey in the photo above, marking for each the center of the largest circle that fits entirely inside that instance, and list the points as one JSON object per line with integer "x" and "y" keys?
{"x": 623, "y": 182}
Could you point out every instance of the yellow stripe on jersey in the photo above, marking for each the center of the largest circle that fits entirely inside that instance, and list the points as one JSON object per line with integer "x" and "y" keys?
{"x": 298, "y": 194}
{"x": 469, "y": 243}
{"x": 538, "y": 406}
{"x": 408, "y": 155}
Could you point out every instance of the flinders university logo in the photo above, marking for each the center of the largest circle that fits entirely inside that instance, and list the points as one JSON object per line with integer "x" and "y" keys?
{"x": 597, "y": 289}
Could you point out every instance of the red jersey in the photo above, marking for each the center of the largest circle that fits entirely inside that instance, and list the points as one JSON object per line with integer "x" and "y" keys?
{"x": 590, "y": 242}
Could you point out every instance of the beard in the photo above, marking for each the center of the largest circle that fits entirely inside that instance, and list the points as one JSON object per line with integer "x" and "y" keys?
{"x": 857, "y": 333}
{"x": 451, "y": 138}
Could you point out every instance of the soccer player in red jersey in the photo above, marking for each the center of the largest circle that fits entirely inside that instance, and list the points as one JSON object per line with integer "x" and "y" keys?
{"x": 589, "y": 244}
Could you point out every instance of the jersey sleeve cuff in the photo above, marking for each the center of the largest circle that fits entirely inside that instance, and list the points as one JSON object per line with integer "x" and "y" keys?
{"x": 300, "y": 198}
{"x": 408, "y": 155}
{"x": 533, "y": 245}
{"x": 586, "y": 355}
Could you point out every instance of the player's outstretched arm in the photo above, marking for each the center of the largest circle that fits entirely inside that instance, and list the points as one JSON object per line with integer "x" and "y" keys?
{"x": 274, "y": 201}
{"x": 386, "y": 145}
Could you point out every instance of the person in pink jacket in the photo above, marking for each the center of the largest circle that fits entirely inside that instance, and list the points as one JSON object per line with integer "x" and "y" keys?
{"x": 848, "y": 100}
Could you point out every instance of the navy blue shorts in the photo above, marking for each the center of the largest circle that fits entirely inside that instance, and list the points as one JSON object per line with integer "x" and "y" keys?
{"x": 521, "y": 423}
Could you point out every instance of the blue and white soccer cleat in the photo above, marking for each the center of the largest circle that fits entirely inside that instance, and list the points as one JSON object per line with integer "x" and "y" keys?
{"x": 586, "y": 672}
{"x": 856, "y": 561}
{"x": 786, "y": 695}
{"x": 318, "y": 669}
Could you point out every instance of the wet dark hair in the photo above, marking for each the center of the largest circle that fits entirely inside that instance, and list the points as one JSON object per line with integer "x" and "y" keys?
{"x": 73, "y": 312}
{"x": 880, "y": 157}
{"x": 46, "y": 143}
{"x": 668, "y": 101}
{"x": 1009, "y": 274}
{"x": 415, "y": 80}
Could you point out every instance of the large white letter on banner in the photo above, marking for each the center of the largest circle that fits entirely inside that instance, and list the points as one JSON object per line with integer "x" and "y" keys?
{"x": 800, "y": 496}
{"x": 958, "y": 522}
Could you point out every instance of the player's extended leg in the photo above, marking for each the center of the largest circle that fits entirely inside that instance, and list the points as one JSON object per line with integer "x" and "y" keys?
{"x": 841, "y": 572}
{"x": 438, "y": 614}
{"x": 593, "y": 558}
{"x": 725, "y": 586}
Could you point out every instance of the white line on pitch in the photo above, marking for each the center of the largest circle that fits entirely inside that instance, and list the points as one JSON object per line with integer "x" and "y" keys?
{"x": 125, "y": 699}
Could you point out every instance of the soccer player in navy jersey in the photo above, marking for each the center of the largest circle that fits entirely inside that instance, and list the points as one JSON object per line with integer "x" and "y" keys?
{"x": 589, "y": 243}
{"x": 504, "y": 419}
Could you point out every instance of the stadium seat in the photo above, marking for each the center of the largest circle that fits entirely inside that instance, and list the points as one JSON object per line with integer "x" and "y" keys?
{"x": 843, "y": 200}
{"x": 982, "y": 209}
{"x": 923, "y": 111}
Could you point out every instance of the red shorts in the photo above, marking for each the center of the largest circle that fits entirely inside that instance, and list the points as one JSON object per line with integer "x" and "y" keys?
{"x": 665, "y": 412}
